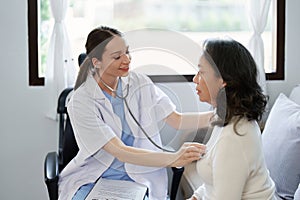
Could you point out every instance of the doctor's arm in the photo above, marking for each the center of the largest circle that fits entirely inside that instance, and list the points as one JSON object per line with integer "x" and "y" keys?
{"x": 187, "y": 153}
{"x": 189, "y": 120}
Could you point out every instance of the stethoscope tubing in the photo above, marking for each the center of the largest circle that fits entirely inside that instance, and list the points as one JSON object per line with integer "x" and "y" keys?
{"x": 143, "y": 130}
{"x": 133, "y": 117}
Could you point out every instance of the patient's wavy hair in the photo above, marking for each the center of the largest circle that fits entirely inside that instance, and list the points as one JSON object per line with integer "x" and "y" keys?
{"x": 243, "y": 95}
{"x": 95, "y": 45}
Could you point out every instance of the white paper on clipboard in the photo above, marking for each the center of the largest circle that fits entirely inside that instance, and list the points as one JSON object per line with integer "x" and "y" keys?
{"x": 106, "y": 189}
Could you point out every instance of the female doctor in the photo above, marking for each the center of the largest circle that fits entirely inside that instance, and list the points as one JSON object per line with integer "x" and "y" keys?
{"x": 111, "y": 143}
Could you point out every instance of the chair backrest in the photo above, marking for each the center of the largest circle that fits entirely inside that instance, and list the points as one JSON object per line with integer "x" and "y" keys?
{"x": 81, "y": 58}
{"x": 68, "y": 147}
{"x": 67, "y": 144}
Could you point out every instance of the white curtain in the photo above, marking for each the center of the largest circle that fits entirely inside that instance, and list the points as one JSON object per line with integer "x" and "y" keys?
{"x": 60, "y": 72}
{"x": 258, "y": 15}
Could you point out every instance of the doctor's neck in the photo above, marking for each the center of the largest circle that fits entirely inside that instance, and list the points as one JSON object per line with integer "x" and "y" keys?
{"x": 107, "y": 85}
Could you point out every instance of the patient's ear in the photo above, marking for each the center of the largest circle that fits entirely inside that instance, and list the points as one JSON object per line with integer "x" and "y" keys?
{"x": 224, "y": 84}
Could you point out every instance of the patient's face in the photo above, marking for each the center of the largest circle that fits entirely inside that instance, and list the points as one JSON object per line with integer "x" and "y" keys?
{"x": 208, "y": 83}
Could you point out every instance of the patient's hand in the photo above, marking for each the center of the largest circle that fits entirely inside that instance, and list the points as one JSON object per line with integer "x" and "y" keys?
{"x": 189, "y": 152}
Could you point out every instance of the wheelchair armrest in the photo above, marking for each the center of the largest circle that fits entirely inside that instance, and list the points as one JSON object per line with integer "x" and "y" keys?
{"x": 177, "y": 174}
{"x": 51, "y": 172}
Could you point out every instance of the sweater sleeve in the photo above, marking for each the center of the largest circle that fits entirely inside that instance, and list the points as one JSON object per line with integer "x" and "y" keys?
{"x": 230, "y": 169}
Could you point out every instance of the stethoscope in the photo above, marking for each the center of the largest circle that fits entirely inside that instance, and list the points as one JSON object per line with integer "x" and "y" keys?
{"x": 123, "y": 97}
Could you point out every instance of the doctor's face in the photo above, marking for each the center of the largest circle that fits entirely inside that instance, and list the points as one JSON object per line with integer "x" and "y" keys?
{"x": 115, "y": 59}
{"x": 207, "y": 82}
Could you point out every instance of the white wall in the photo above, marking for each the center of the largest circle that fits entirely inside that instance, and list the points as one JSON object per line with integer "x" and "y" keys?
{"x": 27, "y": 136}
{"x": 292, "y": 44}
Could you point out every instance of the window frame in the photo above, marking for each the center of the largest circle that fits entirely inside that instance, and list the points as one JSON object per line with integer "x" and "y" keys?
{"x": 280, "y": 41}
{"x": 33, "y": 56}
{"x": 33, "y": 43}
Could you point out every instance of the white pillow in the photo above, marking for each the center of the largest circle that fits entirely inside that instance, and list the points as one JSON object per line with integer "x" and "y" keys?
{"x": 295, "y": 94}
{"x": 297, "y": 194}
{"x": 281, "y": 145}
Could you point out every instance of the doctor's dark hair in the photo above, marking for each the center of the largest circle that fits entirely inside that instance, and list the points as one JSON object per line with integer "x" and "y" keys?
{"x": 95, "y": 46}
{"x": 243, "y": 95}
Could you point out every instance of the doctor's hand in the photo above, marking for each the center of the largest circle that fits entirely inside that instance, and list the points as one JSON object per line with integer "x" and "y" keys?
{"x": 192, "y": 198}
{"x": 189, "y": 152}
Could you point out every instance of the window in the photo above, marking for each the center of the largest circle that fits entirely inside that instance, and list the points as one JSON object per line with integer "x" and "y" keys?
{"x": 195, "y": 19}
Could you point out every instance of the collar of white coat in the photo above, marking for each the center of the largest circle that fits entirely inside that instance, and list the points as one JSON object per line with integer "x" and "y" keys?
{"x": 96, "y": 92}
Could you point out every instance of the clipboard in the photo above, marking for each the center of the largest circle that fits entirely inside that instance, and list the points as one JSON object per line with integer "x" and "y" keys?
{"x": 107, "y": 189}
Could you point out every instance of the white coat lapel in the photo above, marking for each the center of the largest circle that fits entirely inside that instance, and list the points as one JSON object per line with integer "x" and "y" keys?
{"x": 103, "y": 106}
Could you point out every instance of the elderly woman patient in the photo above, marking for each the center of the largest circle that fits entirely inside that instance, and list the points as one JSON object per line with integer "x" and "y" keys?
{"x": 233, "y": 167}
